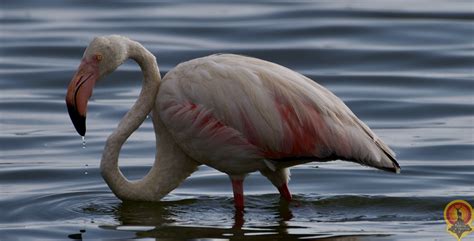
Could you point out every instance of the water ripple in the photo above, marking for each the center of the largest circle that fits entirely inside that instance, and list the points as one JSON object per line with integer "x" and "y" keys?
{"x": 404, "y": 69}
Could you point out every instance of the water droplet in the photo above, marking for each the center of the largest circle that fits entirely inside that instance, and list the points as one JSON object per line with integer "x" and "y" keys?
{"x": 147, "y": 116}
{"x": 83, "y": 142}
{"x": 85, "y": 172}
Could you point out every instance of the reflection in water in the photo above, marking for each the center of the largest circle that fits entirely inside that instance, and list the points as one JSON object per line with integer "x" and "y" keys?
{"x": 171, "y": 220}
{"x": 144, "y": 213}
{"x": 179, "y": 219}
{"x": 265, "y": 217}
{"x": 77, "y": 236}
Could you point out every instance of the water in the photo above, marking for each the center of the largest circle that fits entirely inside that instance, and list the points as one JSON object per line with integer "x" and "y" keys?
{"x": 405, "y": 68}
{"x": 83, "y": 142}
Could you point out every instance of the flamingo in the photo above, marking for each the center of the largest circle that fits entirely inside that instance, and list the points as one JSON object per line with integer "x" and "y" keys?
{"x": 233, "y": 113}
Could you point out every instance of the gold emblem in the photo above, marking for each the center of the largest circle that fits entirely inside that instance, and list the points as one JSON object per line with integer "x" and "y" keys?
{"x": 458, "y": 217}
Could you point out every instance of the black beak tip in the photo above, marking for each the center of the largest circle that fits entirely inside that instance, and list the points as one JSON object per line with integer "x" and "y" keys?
{"x": 79, "y": 121}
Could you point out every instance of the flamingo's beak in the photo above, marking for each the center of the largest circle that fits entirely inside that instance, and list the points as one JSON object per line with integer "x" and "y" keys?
{"x": 79, "y": 91}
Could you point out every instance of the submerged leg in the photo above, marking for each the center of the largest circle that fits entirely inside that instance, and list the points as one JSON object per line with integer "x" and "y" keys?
{"x": 238, "y": 188}
{"x": 285, "y": 192}
{"x": 279, "y": 179}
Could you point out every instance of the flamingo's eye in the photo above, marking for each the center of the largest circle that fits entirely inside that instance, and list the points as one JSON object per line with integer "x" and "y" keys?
{"x": 98, "y": 57}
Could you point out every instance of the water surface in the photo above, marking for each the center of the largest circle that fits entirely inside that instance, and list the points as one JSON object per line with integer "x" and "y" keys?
{"x": 404, "y": 67}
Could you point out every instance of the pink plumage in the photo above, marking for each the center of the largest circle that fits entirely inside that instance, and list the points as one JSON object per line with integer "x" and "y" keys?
{"x": 231, "y": 109}
{"x": 233, "y": 113}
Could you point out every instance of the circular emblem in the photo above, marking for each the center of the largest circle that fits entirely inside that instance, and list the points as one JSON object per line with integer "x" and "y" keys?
{"x": 458, "y": 216}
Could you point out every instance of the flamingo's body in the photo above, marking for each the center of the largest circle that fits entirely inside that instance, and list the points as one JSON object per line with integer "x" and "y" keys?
{"x": 236, "y": 114}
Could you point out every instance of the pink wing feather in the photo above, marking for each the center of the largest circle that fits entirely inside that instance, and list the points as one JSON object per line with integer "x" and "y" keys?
{"x": 225, "y": 107}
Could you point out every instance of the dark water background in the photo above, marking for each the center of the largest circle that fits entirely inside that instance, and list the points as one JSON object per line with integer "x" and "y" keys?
{"x": 404, "y": 67}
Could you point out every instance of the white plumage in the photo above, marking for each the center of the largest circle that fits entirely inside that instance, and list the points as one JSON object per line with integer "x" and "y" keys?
{"x": 238, "y": 104}
{"x": 236, "y": 114}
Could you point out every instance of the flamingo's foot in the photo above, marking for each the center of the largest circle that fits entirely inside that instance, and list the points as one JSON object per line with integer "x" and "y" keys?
{"x": 285, "y": 192}
{"x": 238, "y": 188}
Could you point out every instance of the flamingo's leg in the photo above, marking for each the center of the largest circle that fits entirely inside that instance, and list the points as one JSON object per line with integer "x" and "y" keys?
{"x": 285, "y": 192}
{"x": 279, "y": 179}
{"x": 238, "y": 188}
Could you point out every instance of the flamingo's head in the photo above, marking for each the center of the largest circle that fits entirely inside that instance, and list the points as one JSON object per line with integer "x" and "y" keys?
{"x": 102, "y": 56}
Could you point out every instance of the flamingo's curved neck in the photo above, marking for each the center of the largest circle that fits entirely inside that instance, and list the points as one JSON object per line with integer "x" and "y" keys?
{"x": 123, "y": 188}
